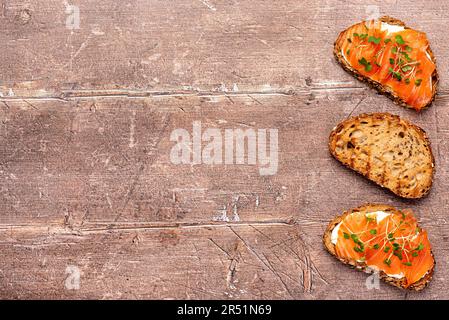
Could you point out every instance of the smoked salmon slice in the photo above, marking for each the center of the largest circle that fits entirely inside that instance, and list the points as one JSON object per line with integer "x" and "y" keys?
{"x": 393, "y": 58}
{"x": 383, "y": 239}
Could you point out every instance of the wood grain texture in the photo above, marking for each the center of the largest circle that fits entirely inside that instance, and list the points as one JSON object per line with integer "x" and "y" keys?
{"x": 183, "y": 45}
{"x": 85, "y": 174}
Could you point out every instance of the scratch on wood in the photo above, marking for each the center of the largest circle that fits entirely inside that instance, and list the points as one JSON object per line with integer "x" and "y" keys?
{"x": 132, "y": 127}
{"x": 356, "y": 106}
{"x": 266, "y": 263}
{"x": 219, "y": 247}
{"x": 276, "y": 274}
{"x": 208, "y": 5}
{"x": 73, "y": 56}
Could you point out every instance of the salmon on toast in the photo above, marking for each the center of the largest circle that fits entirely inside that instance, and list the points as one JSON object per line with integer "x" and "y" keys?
{"x": 392, "y": 58}
{"x": 381, "y": 238}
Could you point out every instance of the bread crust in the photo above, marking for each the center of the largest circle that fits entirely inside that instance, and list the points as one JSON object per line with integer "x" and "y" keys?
{"x": 400, "y": 283}
{"x": 376, "y": 85}
{"x": 381, "y": 116}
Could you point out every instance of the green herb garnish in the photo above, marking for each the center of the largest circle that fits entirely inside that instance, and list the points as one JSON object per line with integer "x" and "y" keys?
{"x": 406, "y": 68}
{"x": 363, "y": 36}
{"x": 374, "y": 40}
{"x": 386, "y": 249}
{"x": 420, "y": 247}
{"x": 418, "y": 82}
{"x": 406, "y": 56}
{"x": 376, "y": 246}
{"x": 398, "y": 254}
{"x": 399, "y": 40}
{"x": 387, "y": 262}
{"x": 359, "y": 249}
{"x": 373, "y": 231}
{"x": 387, "y": 40}
{"x": 395, "y": 74}
{"x": 366, "y": 64}
{"x": 345, "y": 235}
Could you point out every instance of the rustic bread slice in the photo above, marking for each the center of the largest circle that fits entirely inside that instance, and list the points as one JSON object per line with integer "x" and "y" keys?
{"x": 386, "y": 149}
{"x": 361, "y": 265}
{"x": 375, "y": 84}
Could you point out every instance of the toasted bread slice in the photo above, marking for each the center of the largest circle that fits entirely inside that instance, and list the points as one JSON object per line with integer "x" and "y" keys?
{"x": 415, "y": 268}
{"x": 403, "y": 69}
{"x": 386, "y": 149}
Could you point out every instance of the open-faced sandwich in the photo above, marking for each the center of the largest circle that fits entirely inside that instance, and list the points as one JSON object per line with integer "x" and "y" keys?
{"x": 386, "y": 149}
{"x": 392, "y": 58}
{"x": 380, "y": 238}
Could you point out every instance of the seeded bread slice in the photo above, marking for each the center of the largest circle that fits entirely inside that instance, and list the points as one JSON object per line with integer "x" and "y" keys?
{"x": 386, "y": 149}
{"x": 330, "y": 247}
{"x": 376, "y": 85}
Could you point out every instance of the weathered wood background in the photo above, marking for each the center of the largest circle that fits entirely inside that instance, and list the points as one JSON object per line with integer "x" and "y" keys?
{"x": 86, "y": 180}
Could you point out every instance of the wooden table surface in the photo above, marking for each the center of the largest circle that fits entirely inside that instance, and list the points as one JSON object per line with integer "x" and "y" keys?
{"x": 86, "y": 181}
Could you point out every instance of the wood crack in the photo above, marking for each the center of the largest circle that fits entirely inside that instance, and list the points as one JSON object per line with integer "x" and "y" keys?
{"x": 70, "y": 95}
{"x": 109, "y": 227}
